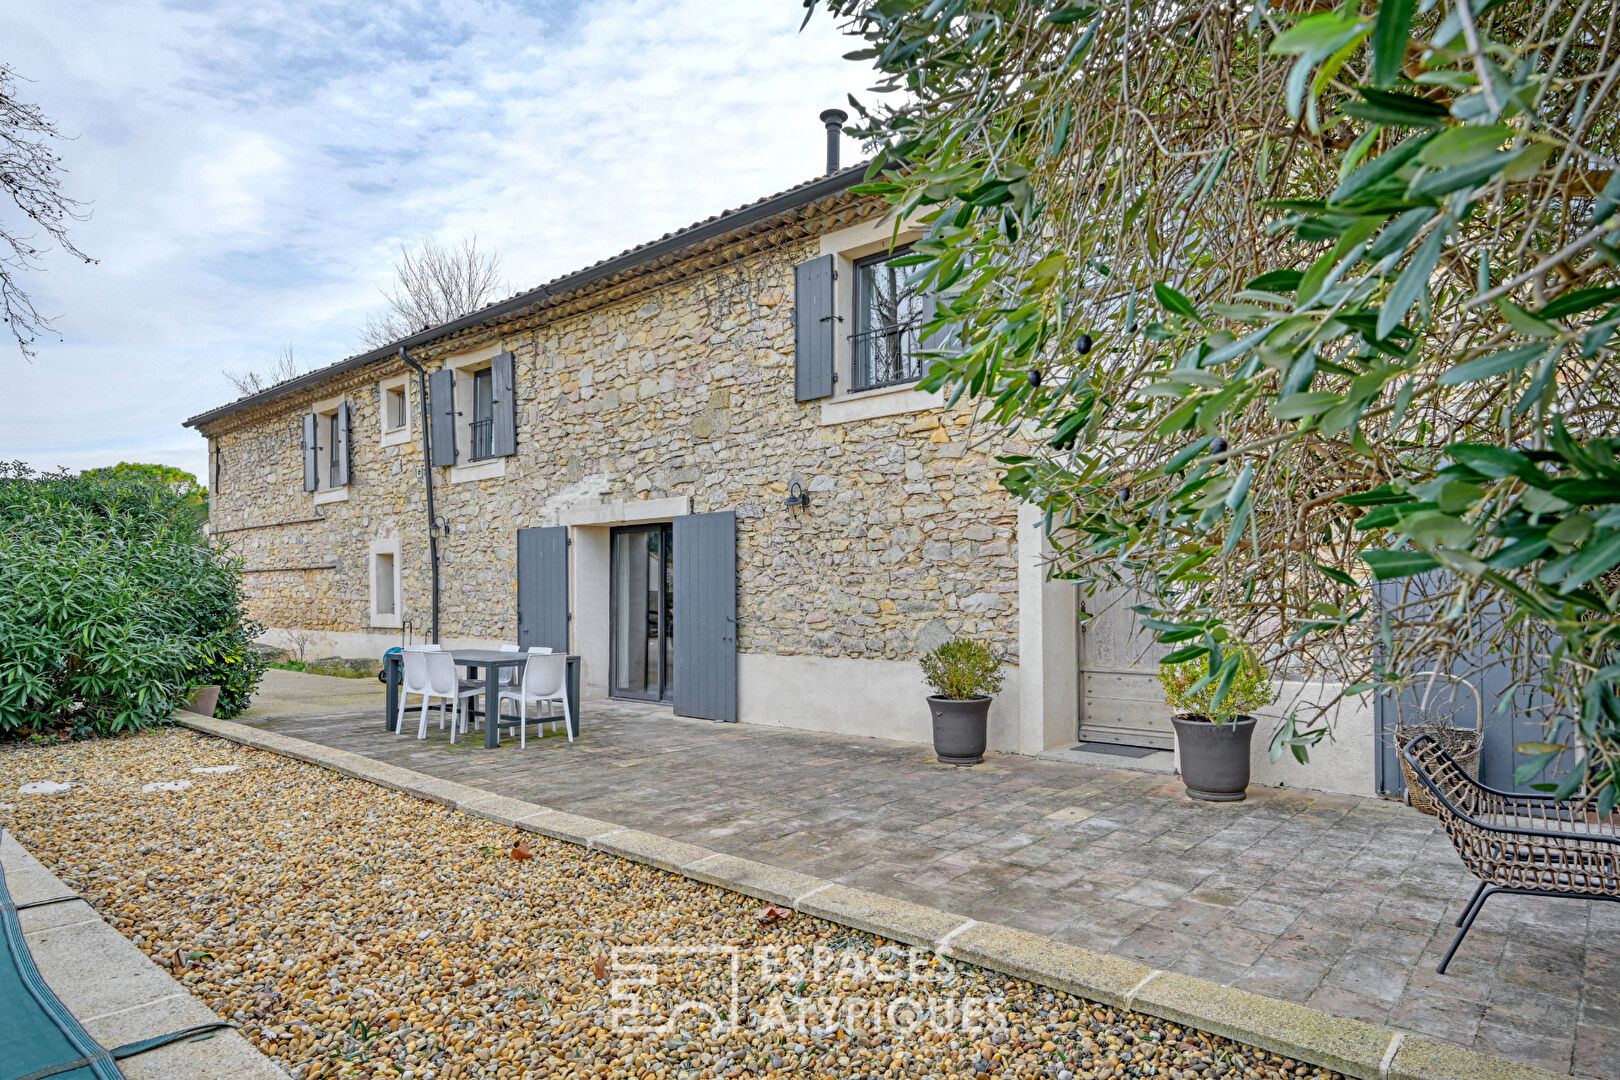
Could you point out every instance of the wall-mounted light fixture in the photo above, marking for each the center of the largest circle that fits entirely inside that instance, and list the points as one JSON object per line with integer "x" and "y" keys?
{"x": 798, "y": 498}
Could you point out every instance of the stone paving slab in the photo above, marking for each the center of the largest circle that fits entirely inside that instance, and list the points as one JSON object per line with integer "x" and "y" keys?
{"x": 117, "y": 993}
{"x": 1337, "y": 903}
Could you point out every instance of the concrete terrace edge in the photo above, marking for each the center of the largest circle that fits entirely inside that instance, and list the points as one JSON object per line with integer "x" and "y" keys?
{"x": 114, "y": 989}
{"x": 1352, "y": 1047}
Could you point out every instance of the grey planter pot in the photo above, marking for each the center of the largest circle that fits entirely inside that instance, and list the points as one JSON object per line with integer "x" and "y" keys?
{"x": 1214, "y": 757}
{"x": 959, "y": 729}
{"x": 204, "y": 700}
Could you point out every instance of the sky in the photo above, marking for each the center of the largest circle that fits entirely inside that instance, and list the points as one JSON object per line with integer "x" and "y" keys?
{"x": 252, "y": 169}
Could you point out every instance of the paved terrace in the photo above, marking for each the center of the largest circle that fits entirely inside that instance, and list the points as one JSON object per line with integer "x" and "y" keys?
{"x": 1341, "y": 903}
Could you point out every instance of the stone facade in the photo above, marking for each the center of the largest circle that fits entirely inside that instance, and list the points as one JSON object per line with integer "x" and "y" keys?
{"x": 684, "y": 389}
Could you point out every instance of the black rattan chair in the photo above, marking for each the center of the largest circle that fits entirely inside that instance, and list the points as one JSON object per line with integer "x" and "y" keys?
{"x": 1521, "y": 845}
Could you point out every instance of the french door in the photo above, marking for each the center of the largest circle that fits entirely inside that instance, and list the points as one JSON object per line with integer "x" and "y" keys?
{"x": 642, "y": 657}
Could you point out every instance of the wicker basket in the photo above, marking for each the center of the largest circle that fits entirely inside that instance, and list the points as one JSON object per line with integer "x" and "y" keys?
{"x": 1463, "y": 744}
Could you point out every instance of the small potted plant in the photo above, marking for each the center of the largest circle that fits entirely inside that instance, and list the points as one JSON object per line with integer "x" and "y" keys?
{"x": 965, "y": 675}
{"x": 1213, "y": 740}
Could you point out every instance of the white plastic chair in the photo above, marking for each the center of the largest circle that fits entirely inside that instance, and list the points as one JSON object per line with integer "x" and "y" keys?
{"x": 545, "y": 680}
{"x": 413, "y": 679}
{"x": 443, "y": 683}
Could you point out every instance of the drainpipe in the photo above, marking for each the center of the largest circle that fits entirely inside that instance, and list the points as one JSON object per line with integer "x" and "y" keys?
{"x": 427, "y": 480}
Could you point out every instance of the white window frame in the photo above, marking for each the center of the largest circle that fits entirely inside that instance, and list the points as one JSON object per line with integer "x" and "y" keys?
{"x": 466, "y": 367}
{"x": 849, "y": 246}
{"x": 388, "y": 546}
{"x": 324, "y": 491}
{"x": 394, "y": 436}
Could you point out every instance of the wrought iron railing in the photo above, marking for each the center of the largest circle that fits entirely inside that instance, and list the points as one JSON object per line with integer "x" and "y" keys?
{"x": 483, "y": 439}
{"x": 886, "y": 355}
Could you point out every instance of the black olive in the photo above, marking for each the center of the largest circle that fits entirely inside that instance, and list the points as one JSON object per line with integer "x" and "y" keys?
{"x": 1218, "y": 446}
{"x": 1082, "y": 344}
{"x": 1035, "y": 377}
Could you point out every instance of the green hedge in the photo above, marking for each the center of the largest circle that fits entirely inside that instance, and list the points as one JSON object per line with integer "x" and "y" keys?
{"x": 113, "y": 606}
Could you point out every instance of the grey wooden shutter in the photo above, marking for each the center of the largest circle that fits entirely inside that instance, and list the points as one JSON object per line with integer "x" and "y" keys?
{"x": 706, "y": 616}
{"x": 342, "y": 476}
{"x": 503, "y": 381}
{"x": 442, "y": 416}
{"x": 312, "y": 476}
{"x": 814, "y": 329}
{"x": 937, "y": 340}
{"x": 542, "y": 587}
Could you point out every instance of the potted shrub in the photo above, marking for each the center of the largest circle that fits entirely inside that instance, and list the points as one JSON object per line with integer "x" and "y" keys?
{"x": 965, "y": 675}
{"x": 1214, "y": 739}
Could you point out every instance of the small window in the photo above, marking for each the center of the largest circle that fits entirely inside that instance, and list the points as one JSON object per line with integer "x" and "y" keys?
{"x": 887, "y": 318}
{"x": 483, "y": 421}
{"x": 394, "y": 408}
{"x": 383, "y": 584}
{"x": 334, "y": 445}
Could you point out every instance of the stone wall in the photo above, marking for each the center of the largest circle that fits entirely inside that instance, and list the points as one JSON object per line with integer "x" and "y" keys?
{"x": 686, "y": 390}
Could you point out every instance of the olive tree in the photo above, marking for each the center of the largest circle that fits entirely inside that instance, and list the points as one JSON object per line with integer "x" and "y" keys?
{"x": 1308, "y": 314}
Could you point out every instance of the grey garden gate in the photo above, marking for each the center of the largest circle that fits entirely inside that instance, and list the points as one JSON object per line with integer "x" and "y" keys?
{"x": 706, "y": 616}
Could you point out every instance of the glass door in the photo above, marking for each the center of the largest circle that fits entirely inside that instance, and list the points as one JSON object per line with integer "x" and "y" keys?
{"x": 642, "y": 663}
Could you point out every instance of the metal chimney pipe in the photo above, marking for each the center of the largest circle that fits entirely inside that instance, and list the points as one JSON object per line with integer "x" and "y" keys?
{"x": 834, "y": 119}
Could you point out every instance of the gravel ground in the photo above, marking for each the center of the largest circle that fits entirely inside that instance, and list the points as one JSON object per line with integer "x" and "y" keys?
{"x": 355, "y": 932}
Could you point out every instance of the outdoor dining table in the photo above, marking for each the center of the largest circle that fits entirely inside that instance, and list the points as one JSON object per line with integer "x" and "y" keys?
{"x": 491, "y": 662}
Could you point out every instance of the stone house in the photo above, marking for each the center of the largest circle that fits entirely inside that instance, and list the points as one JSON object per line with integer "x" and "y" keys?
{"x": 703, "y": 466}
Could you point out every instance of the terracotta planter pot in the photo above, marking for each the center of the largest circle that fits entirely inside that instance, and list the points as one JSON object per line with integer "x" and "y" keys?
{"x": 959, "y": 729}
{"x": 1214, "y": 757}
{"x": 204, "y": 699}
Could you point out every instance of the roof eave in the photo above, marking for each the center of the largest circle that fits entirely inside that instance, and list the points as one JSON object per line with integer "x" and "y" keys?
{"x": 828, "y": 185}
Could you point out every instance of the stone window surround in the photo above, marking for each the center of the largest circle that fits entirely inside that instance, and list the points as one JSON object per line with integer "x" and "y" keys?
{"x": 466, "y": 366}
{"x": 846, "y": 405}
{"x": 324, "y": 493}
{"x": 394, "y": 436}
{"x": 387, "y": 546}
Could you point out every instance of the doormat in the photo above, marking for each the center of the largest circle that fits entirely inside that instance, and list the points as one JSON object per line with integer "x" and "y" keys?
{"x": 1118, "y": 751}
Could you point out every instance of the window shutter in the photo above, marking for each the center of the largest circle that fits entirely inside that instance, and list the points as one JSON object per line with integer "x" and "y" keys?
{"x": 814, "y": 329}
{"x": 542, "y": 587}
{"x": 442, "y": 414}
{"x": 706, "y": 598}
{"x": 312, "y": 476}
{"x": 342, "y": 476}
{"x": 936, "y": 340}
{"x": 503, "y": 381}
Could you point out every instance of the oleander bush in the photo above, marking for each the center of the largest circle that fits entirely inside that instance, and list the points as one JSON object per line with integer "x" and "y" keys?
{"x": 113, "y": 606}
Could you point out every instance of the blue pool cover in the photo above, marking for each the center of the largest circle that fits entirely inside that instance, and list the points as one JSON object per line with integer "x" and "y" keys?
{"x": 39, "y": 1037}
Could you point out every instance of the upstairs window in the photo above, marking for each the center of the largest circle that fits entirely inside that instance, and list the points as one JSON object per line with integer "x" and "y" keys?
{"x": 333, "y": 445}
{"x": 394, "y": 415}
{"x": 888, "y": 316}
{"x": 483, "y": 418}
{"x": 326, "y": 448}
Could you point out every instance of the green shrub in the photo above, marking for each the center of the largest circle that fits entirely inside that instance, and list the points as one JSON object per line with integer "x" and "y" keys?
{"x": 1192, "y": 692}
{"x": 113, "y": 605}
{"x": 961, "y": 669}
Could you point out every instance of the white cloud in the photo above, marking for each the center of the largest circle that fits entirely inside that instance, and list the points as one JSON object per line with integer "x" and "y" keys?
{"x": 253, "y": 169}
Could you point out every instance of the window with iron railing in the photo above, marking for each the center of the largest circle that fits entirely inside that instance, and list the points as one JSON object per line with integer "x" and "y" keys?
{"x": 483, "y": 421}
{"x": 888, "y": 315}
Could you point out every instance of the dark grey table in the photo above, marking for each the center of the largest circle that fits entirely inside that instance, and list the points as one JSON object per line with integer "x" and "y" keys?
{"x": 492, "y": 661}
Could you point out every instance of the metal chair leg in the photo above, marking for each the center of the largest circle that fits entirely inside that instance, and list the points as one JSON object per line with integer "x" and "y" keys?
{"x": 1472, "y": 900}
{"x": 1468, "y": 924}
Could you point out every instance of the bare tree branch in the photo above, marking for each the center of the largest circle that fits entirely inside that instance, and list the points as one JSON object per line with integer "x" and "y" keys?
{"x": 433, "y": 285}
{"x": 279, "y": 370}
{"x": 31, "y": 176}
